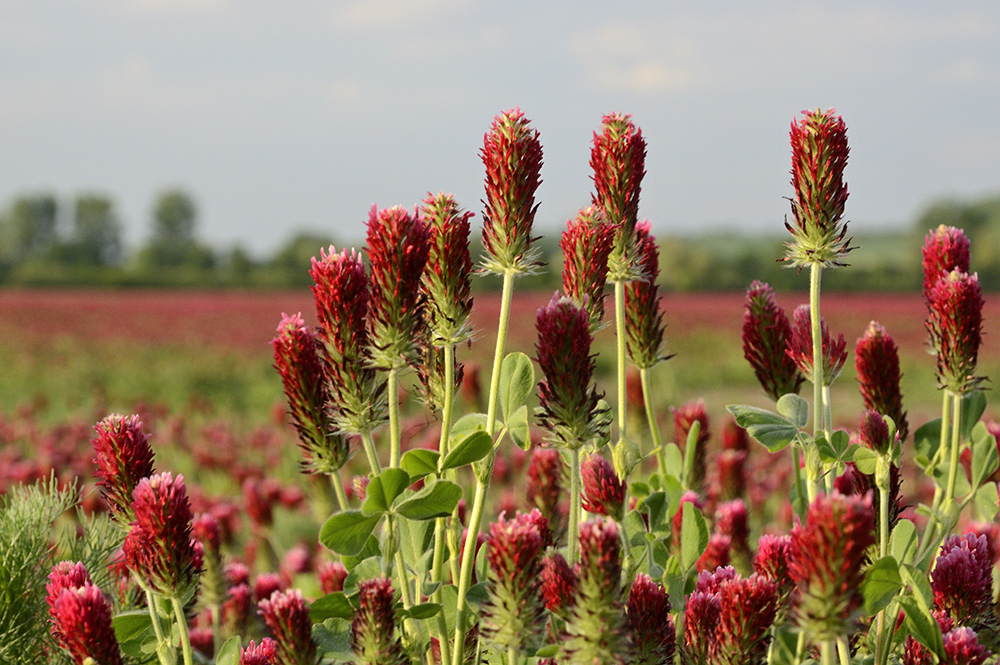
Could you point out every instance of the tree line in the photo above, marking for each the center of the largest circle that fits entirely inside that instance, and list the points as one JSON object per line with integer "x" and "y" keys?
{"x": 45, "y": 242}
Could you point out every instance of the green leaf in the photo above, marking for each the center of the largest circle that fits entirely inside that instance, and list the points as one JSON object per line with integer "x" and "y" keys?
{"x": 794, "y": 408}
{"x": 229, "y": 652}
{"x": 449, "y": 600}
{"x": 986, "y": 501}
{"x": 333, "y": 637}
{"x": 922, "y": 625}
{"x": 517, "y": 380}
{"x": 673, "y": 461}
{"x": 383, "y": 490}
{"x": 881, "y": 584}
{"x": 368, "y": 569}
{"x": 917, "y": 581}
{"x": 985, "y": 459}
{"x": 547, "y": 651}
{"x": 841, "y": 441}
{"x": 347, "y": 532}
{"x": 419, "y": 462}
{"x": 674, "y": 579}
{"x": 825, "y": 449}
{"x": 903, "y": 541}
{"x": 656, "y": 508}
{"x": 926, "y": 441}
{"x": 973, "y": 406}
{"x": 468, "y": 424}
{"x": 482, "y": 564}
{"x": 635, "y": 527}
{"x": 472, "y": 448}
{"x": 866, "y": 459}
{"x": 422, "y": 611}
{"x": 130, "y": 625}
{"x": 371, "y": 548}
{"x": 775, "y": 432}
{"x": 519, "y": 428}
{"x": 694, "y": 536}
{"x": 438, "y": 499}
{"x": 329, "y": 606}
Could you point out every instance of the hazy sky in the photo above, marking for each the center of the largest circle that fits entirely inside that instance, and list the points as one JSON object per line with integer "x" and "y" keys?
{"x": 283, "y": 116}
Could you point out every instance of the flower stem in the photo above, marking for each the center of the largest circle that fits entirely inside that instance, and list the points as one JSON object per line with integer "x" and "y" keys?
{"x": 654, "y": 430}
{"x": 930, "y": 537}
{"x": 465, "y": 576}
{"x": 369, "y": 446}
{"x": 620, "y": 333}
{"x": 512, "y": 655}
{"x": 844, "y": 650}
{"x": 827, "y": 652}
{"x": 437, "y": 569}
{"x": 883, "y": 550}
{"x": 182, "y": 629}
{"x": 393, "y": 390}
{"x": 338, "y": 489}
{"x": 155, "y": 620}
{"x": 573, "y": 537}
{"x": 827, "y": 432}
{"x": 815, "y": 275}
{"x": 956, "y": 426}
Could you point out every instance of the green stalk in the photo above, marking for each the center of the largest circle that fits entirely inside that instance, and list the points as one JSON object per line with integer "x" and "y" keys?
{"x": 815, "y": 274}
{"x": 827, "y": 652}
{"x": 575, "y": 509}
{"x": 155, "y": 620}
{"x": 956, "y": 426}
{"x": 338, "y": 489}
{"x": 512, "y": 655}
{"x": 654, "y": 430}
{"x": 620, "y": 332}
{"x": 881, "y": 654}
{"x": 827, "y": 432}
{"x": 437, "y": 569}
{"x": 393, "y": 390}
{"x": 369, "y": 446}
{"x": 404, "y": 583}
{"x": 182, "y": 629}
{"x": 216, "y": 612}
{"x": 930, "y": 531}
{"x": 844, "y": 651}
{"x": 465, "y": 576}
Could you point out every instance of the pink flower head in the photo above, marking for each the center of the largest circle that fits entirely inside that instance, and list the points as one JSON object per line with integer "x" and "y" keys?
{"x": 264, "y": 653}
{"x": 946, "y": 248}
{"x": 684, "y": 418}
{"x": 766, "y": 331}
{"x": 772, "y": 558}
{"x": 732, "y": 519}
{"x": 515, "y": 610}
{"x": 512, "y": 155}
{"x": 644, "y": 325}
{"x": 718, "y": 553}
{"x": 585, "y": 244}
{"x": 873, "y": 431}
{"x": 876, "y": 360}
{"x": 567, "y": 396}
{"x": 287, "y": 616}
{"x": 701, "y": 618}
{"x": 800, "y": 347}
{"x": 123, "y": 458}
{"x": 603, "y": 490}
{"x": 447, "y": 276}
{"x": 545, "y": 485}
{"x": 331, "y": 576}
{"x": 828, "y": 554}
{"x": 373, "y": 630}
{"x": 747, "y": 609}
{"x": 266, "y": 584}
{"x": 650, "y": 623}
{"x": 600, "y": 555}
{"x": 158, "y": 549}
{"x": 64, "y": 575}
{"x": 962, "y": 647}
{"x": 710, "y": 580}
{"x": 236, "y": 608}
{"x": 81, "y": 621}
{"x": 955, "y": 325}
{"x": 962, "y": 579}
{"x": 819, "y": 155}
{"x": 558, "y": 584}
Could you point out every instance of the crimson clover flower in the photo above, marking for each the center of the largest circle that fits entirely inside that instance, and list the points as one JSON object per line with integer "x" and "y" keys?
{"x": 342, "y": 304}
{"x": 545, "y": 486}
{"x": 431, "y": 374}
{"x": 287, "y": 617}
{"x": 569, "y": 403}
{"x": 558, "y": 585}
{"x": 732, "y": 520}
{"x": 701, "y": 618}
{"x": 732, "y": 477}
{"x": 603, "y": 490}
{"x": 123, "y": 457}
{"x": 685, "y": 416}
{"x": 873, "y": 431}
{"x": 375, "y": 640}
{"x": 962, "y": 579}
{"x": 644, "y": 327}
{"x": 710, "y": 580}
{"x": 618, "y": 158}
{"x": 585, "y": 244}
{"x": 747, "y": 609}
{"x": 205, "y": 529}
{"x": 650, "y": 623}
{"x": 236, "y": 608}
{"x": 800, "y": 347}
{"x": 447, "y": 276}
{"x": 955, "y": 326}
{"x": 828, "y": 555}
{"x": 876, "y": 360}
{"x": 158, "y": 549}
{"x": 819, "y": 155}
{"x": 397, "y": 253}
{"x": 259, "y": 654}
{"x": 331, "y": 576}
{"x": 766, "y": 331}
{"x": 512, "y": 155}
{"x": 64, "y": 575}
{"x": 300, "y": 359}
{"x": 514, "y": 612}
{"x": 915, "y": 653}
{"x": 716, "y": 554}
{"x": 81, "y": 622}
{"x": 946, "y": 248}
{"x": 962, "y": 647}
{"x": 771, "y": 561}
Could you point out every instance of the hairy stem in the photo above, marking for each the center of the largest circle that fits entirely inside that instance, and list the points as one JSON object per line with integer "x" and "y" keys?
{"x": 155, "y": 620}
{"x": 654, "y": 430}
{"x": 815, "y": 274}
{"x": 573, "y": 537}
{"x": 956, "y": 435}
{"x": 392, "y": 387}
{"x": 465, "y": 576}
{"x": 338, "y": 489}
{"x": 930, "y": 537}
{"x": 440, "y": 524}
{"x": 369, "y": 446}
{"x": 182, "y": 629}
{"x": 620, "y": 334}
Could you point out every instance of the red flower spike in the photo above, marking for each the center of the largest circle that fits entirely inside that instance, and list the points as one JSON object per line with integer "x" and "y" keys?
{"x": 514, "y": 612}
{"x": 819, "y": 155}
{"x": 545, "y": 486}
{"x": 158, "y": 548}
{"x": 512, "y": 155}
{"x": 874, "y": 432}
{"x": 876, "y": 360}
{"x": 568, "y": 400}
{"x": 259, "y": 654}
{"x": 82, "y": 624}
{"x": 800, "y": 348}
{"x": 123, "y": 458}
{"x": 236, "y": 609}
{"x": 266, "y": 584}
{"x": 946, "y": 248}
{"x": 962, "y": 579}
{"x": 375, "y": 640}
{"x": 732, "y": 519}
{"x": 206, "y": 531}
{"x": 447, "y": 276}
{"x": 962, "y": 647}
{"x": 644, "y": 327}
{"x": 828, "y": 554}
{"x": 64, "y": 575}
{"x": 585, "y": 244}
{"x": 955, "y": 325}
{"x": 558, "y": 584}
{"x": 603, "y": 491}
{"x": 718, "y": 553}
{"x": 709, "y": 581}
{"x": 684, "y": 418}
{"x": 287, "y": 616}
{"x": 650, "y": 623}
{"x": 766, "y": 331}
{"x": 731, "y": 466}
{"x": 771, "y": 560}
{"x": 701, "y": 618}
{"x": 331, "y": 576}
{"x": 747, "y": 609}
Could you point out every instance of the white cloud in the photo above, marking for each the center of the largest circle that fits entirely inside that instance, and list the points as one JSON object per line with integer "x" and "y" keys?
{"x": 160, "y": 8}
{"x": 386, "y": 14}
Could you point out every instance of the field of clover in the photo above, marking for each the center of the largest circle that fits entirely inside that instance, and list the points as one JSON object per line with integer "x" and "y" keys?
{"x": 638, "y": 548}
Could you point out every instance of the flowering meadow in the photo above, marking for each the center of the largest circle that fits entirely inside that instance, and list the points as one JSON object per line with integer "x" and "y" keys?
{"x": 405, "y": 470}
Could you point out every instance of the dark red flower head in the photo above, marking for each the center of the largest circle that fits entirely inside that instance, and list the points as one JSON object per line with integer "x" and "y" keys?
{"x": 259, "y": 654}
{"x": 800, "y": 347}
{"x": 447, "y": 276}
{"x": 873, "y": 431}
{"x": 962, "y": 647}
{"x": 946, "y": 248}
{"x": 766, "y": 331}
{"x": 64, "y": 575}
{"x": 650, "y": 623}
{"x": 123, "y": 458}
{"x": 955, "y": 325}
{"x": 331, "y": 576}
{"x": 585, "y": 244}
{"x": 287, "y": 616}
{"x": 701, "y": 618}
{"x": 515, "y": 609}
{"x": 545, "y": 485}
{"x": 603, "y": 490}
{"x": 558, "y": 584}
{"x": 374, "y": 637}
{"x": 962, "y": 579}
{"x": 81, "y": 622}
{"x": 747, "y": 609}
{"x": 876, "y": 360}
{"x": 644, "y": 325}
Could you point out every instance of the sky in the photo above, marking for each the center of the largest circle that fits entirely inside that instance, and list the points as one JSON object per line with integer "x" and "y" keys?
{"x": 284, "y": 117}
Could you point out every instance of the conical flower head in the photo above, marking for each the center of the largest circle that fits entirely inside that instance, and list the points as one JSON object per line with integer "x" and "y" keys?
{"x": 545, "y": 486}
{"x": 300, "y": 358}
{"x": 618, "y": 159}
{"x": 946, "y": 248}
{"x": 962, "y": 647}
{"x": 771, "y": 561}
{"x": 955, "y": 325}
{"x": 962, "y": 579}
{"x": 876, "y": 360}
{"x": 515, "y": 611}
{"x": 123, "y": 458}
{"x": 873, "y": 431}
{"x": 603, "y": 490}
{"x": 64, "y": 575}
{"x": 397, "y": 253}
{"x": 569, "y": 402}
{"x": 800, "y": 347}
{"x": 512, "y": 155}
{"x": 81, "y": 622}
{"x": 331, "y": 576}
{"x": 747, "y": 609}
{"x": 732, "y": 519}
{"x": 287, "y": 617}
{"x": 644, "y": 326}
{"x": 374, "y": 637}
{"x": 558, "y": 584}
{"x": 828, "y": 554}
{"x": 650, "y": 623}
{"x": 701, "y": 618}
{"x": 264, "y": 653}
{"x": 447, "y": 275}
{"x": 819, "y": 155}
{"x": 766, "y": 331}
{"x": 158, "y": 549}
{"x": 585, "y": 244}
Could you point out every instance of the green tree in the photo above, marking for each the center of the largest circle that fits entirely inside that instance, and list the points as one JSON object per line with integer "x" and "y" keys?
{"x": 29, "y": 227}
{"x": 96, "y": 232}
{"x": 173, "y": 242}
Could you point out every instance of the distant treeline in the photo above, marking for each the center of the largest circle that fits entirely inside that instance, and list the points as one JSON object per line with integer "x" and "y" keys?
{"x": 78, "y": 244}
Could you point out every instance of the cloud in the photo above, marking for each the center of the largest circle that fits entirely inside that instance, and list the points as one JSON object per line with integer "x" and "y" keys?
{"x": 386, "y": 14}
{"x": 160, "y": 8}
